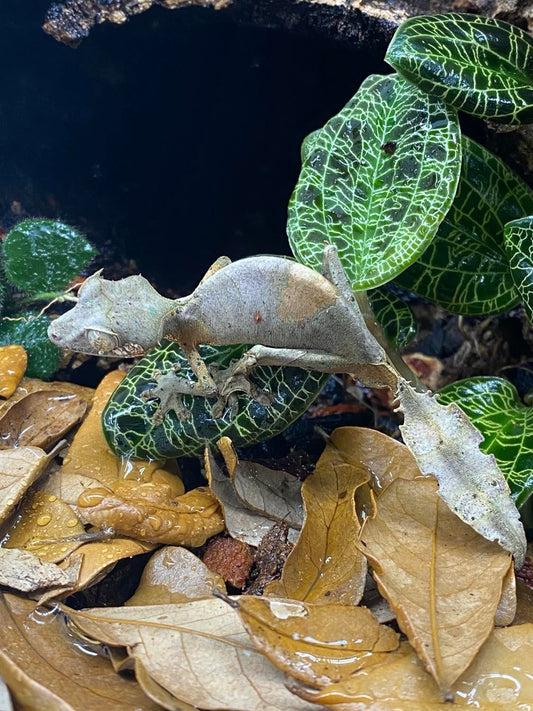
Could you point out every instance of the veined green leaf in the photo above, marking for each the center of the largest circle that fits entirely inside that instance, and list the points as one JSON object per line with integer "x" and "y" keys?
{"x": 394, "y": 316}
{"x": 376, "y": 181}
{"x": 466, "y": 268}
{"x": 494, "y": 407}
{"x": 519, "y": 248}
{"x": 477, "y": 64}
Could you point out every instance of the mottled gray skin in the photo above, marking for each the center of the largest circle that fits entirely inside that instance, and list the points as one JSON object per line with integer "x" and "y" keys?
{"x": 301, "y": 318}
{"x": 295, "y": 315}
{"x": 113, "y": 318}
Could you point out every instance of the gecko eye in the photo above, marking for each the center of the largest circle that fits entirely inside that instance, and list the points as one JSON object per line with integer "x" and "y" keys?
{"x": 102, "y": 342}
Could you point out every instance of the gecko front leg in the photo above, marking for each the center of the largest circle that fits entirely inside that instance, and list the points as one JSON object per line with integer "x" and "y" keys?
{"x": 169, "y": 390}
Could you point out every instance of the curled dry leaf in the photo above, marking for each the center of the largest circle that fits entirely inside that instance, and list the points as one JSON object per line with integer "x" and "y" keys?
{"x": 46, "y": 672}
{"x": 326, "y": 565}
{"x": 19, "y": 468}
{"x": 241, "y": 523}
{"x": 149, "y": 512}
{"x": 316, "y": 644}
{"x": 274, "y": 494}
{"x": 98, "y": 557}
{"x": 173, "y": 575}
{"x": 42, "y": 522}
{"x": 41, "y": 419}
{"x": 506, "y": 610}
{"x": 24, "y": 571}
{"x": 13, "y": 362}
{"x": 197, "y": 652}
{"x": 498, "y": 680}
{"x": 443, "y": 580}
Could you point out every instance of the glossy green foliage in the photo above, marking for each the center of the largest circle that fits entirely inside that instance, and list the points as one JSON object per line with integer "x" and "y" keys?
{"x": 127, "y": 419}
{"x": 519, "y": 248}
{"x": 494, "y": 407}
{"x": 394, "y": 316}
{"x": 30, "y": 331}
{"x": 465, "y": 268}
{"x": 476, "y": 64}
{"x": 376, "y": 181}
{"x": 44, "y": 255}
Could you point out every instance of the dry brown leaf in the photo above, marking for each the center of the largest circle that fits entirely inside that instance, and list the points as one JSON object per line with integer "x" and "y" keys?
{"x": 326, "y": 565}
{"x": 19, "y": 468}
{"x": 199, "y": 651}
{"x": 157, "y": 693}
{"x": 41, "y": 419}
{"x": 506, "y": 610}
{"x": 45, "y": 671}
{"x": 13, "y": 362}
{"x": 98, "y": 557}
{"x": 42, "y": 522}
{"x": 384, "y": 458}
{"x": 148, "y": 512}
{"x": 524, "y": 606}
{"x": 24, "y": 571}
{"x": 31, "y": 385}
{"x": 174, "y": 574}
{"x": 499, "y": 679}
{"x": 241, "y": 523}
{"x": 274, "y": 494}
{"x": 316, "y": 644}
{"x": 443, "y": 580}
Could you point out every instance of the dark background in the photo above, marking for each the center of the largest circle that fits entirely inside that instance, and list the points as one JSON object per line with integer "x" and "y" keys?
{"x": 171, "y": 139}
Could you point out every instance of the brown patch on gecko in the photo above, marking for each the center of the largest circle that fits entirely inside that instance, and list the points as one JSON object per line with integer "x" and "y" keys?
{"x": 258, "y": 317}
{"x": 301, "y": 299}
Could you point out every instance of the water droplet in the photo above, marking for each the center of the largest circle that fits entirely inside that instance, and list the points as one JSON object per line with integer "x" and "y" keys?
{"x": 155, "y": 522}
{"x": 52, "y": 497}
{"x": 44, "y": 520}
{"x": 72, "y": 522}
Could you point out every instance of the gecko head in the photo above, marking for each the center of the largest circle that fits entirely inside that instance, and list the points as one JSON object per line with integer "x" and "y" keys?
{"x": 112, "y": 318}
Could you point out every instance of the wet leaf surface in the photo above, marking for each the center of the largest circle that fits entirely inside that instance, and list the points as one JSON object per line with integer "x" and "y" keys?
{"x": 498, "y": 680}
{"x": 41, "y": 524}
{"x": 45, "y": 671}
{"x": 174, "y": 575}
{"x": 417, "y": 545}
{"x": 40, "y": 419}
{"x": 149, "y": 512}
{"x": 214, "y": 652}
{"x": 316, "y": 644}
{"x": 19, "y": 468}
{"x": 13, "y": 362}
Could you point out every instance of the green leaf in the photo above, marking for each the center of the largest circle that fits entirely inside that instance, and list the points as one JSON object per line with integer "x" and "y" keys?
{"x": 494, "y": 407}
{"x": 465, "y": 268}
{"x": 376, "y": 181}
{"x": 476, "y": 64}
{"x": 30, "y": 331}
{"x": 44, "y": 255}
{"x": 394, "y": 316}
{"x": 308, "y": 143}
{"x": 519, "y": 248}
{"x": 130, "y": 431}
